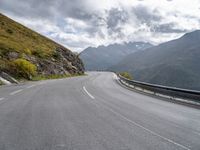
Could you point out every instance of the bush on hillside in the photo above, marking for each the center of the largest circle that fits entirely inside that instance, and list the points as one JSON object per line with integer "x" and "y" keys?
{"x": 1, "y": 83}
{"x": 23, "y": 68}
{"x": 126, "y": 75}
{"x": 9, "y": 31}
{"x": 27, "y": 51}
{"x": 40, "y": 53}
{"x": 3, "y": 65}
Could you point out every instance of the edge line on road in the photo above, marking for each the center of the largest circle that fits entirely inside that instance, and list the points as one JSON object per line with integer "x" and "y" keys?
{"x": 146, "y": 129}
{"x": 90, "y": 95}
{"x": 30, "y": 86}
{"x": 2, "y": 98}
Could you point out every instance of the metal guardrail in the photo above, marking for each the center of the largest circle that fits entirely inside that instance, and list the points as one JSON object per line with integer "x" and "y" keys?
{"x": 172, "y": 92}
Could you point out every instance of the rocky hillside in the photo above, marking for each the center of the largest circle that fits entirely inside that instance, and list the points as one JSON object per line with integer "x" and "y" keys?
{"x": 25, "y": 53}
{"x": 174, "y": 63}
{"x": 103, "y": 57}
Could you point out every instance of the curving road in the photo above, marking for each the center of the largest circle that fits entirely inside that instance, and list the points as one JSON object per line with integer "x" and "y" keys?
{"x": 92, "y": 113}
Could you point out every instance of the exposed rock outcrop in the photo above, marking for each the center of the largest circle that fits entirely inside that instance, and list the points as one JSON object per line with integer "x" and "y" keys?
{"x": 7, "y": 79}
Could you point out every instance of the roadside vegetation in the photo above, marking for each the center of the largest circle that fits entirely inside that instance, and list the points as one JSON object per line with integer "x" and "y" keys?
{"x": 12, "y": 35}
{"x": 27, "y": 55}
{"x": 17, "y": 43}
{"x": 126, "y": 75}
{"x": 58, "y": 76}
{"x": 23, "y": 68}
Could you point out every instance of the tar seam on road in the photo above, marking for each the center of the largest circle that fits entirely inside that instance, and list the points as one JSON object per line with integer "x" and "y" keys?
{"x": 90, "y": 95}
{"x": 15, "y": 92}
{"x": 30, "y": 86}
{"x": 2, "y": 98}
{"x": 144, "y": 128}
{"x": 41, "y": 83}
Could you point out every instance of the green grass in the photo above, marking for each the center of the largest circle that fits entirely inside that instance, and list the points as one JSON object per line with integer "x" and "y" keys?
{"x": 16, "y": 37}
{"x": 126, "y": 75}
{"x": 22, "y": 49}
{"x": 43, "y": 77}
{"x": 1, "y": 83}
{"x": 23, "y": 68}
{"x": 25, "y": 42}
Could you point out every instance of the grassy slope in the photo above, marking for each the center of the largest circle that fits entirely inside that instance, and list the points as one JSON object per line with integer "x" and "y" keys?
{"x": 13, "y": 34}
{"x": 15, "y": 37}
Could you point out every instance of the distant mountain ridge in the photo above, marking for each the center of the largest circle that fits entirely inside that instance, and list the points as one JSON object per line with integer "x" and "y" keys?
{"x": 103, "y": 57}
{"x": 175, "y": 63}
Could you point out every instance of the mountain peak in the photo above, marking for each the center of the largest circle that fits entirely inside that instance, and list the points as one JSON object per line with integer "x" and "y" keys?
{"x": 194, "y": 35}
{"x": 102, "y": 57}
{"x": 174, "y": 63}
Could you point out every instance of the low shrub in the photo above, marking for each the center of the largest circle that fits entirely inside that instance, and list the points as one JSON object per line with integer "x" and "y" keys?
{"x": 53, "y": 76}
{"x": 23, "y": 68}
{"x": 1, "y": 83}
{"x": 40, "y": 53}
{"x": 126, "y": 75}
{"x": 27, "y": 51}
{"x": 56, "y": 56}
{"x": 9, "y": 31}
{"x": 3, "y": 65}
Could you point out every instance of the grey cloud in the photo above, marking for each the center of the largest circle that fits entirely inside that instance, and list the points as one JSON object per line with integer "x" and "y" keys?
{"x": 28, "y": 8}
{"x": 167, "y": 28}
{"x": 116, "y": 17}
{"x": 46, "y": 9}
{"x": 145, "y": 15}
{"x": 74, "y": 9}
{"x": 115, "y": 21}
{"x": 153, "y": 18}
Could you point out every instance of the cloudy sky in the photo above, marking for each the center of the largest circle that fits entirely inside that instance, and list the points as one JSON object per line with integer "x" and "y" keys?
{"x": 78, "y": 24}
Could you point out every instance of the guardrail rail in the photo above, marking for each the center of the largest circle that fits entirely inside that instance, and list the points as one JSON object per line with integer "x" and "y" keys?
{"x": 172, "y": 92}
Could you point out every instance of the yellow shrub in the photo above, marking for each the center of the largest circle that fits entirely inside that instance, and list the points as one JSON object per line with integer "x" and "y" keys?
{"x": 23, "y": 68}
{"x": 3, "y": 65}
{"x": 126, "y": 75}
{"x": 27, "y": 51}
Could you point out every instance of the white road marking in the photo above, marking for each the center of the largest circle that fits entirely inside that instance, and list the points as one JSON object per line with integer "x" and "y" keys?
{"x": 15, "y": 92}
{"x": 2, "y": 98}
{"x": 115, "y": 76}
{"x": 90, "y": 95}
{"x": 146, "y": 129}
{"x": 30, "y": 86}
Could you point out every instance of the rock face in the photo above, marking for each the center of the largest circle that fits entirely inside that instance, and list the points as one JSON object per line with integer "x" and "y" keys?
{"x": 25, "y": 45}
{"x": 7, "y": 79}
{"x": 65, "y": 62}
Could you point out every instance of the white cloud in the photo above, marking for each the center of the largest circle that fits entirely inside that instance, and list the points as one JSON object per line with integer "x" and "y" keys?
{"x": 78, "y": 24}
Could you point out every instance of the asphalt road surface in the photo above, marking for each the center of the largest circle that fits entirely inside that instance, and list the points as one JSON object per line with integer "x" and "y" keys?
{"x": 92, "y": 113}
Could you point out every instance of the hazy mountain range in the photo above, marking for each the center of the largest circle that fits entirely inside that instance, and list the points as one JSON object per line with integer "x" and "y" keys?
{"x": 103, "y": 57}
{"x": 174, "y": 63}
